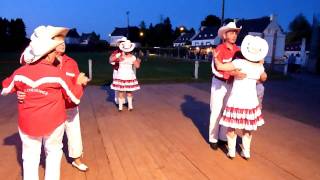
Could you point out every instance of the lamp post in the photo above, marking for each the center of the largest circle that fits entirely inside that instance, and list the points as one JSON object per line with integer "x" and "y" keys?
{"x": 128, "y": 12}
{"x": 222, "y": 12}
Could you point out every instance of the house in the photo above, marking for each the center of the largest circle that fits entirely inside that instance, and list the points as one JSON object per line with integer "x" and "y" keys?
{"x": 267, "y": 28}
{"x": 118, "y": 33}
{"x": 73, "y": 37}
{"x": 183, "y": 40}
{"x": 206, "y": 37}
{"x": 301, "y": 49}
{"x": 89, "y": 38}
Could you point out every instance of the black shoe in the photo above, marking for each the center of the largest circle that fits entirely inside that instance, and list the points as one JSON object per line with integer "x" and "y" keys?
{"x": 222, "y": 143}
{"x": 214, "y": 146}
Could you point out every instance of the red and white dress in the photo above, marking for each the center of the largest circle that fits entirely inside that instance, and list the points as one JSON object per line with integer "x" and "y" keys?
{"x": 125, "y": 78}
{"x": 242, "y": 110}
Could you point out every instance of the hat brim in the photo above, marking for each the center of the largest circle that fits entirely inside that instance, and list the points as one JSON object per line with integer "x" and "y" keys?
{"x": 121, "y": 40}
{"x": 49, "y": 32}
{"x": 38, "y": 49}
{"x": 225, "y": 29}
{"x": 57, "y": 31}
{"x": 122, "y": 48}
{"x": 262, "y": 44}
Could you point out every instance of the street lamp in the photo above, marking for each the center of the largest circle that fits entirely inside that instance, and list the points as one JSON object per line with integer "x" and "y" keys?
{"x": 141, "y": 34}
{"x": 128, "y": 12}
{"x": 181, "y": 29}
{"x": 222, "y": 12}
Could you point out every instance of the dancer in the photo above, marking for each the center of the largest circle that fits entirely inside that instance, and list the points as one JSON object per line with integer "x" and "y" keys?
{"x": 222, "y": 82}
{"x": 125, "y": 80}
{"x": 243, "y": 110}
{"x": 42, "y": 113}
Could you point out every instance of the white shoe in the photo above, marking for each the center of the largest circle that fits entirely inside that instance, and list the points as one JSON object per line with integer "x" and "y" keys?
{"x": 80, "y": 167}
{"x": 231, "y": 155}
{"x": 245, "y": 155}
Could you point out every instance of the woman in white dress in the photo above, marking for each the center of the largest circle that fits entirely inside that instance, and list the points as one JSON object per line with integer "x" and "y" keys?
{"x": 243, "y": 109}
{"x": 125, "y": 81}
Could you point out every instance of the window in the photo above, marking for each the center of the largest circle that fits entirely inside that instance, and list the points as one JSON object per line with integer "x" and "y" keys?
{"x": 200, "y": 35}
{"x": 211, "y": 35}
{"x": 205, "y": 35}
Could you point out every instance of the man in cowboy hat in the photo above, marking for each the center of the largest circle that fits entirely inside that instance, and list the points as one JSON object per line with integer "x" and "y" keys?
{"x": 42, "y": 113}
{"x": 221, "y": 81}
{"x": 72, "y": 124}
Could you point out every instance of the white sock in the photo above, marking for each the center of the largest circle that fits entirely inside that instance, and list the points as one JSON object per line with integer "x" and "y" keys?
{"x": 246, "y": 142}
{"x": 116, "y": 97}
{"x": 130, "y": 105}
{"x": 121, "y": 101}
{"x": 232, "y": 141}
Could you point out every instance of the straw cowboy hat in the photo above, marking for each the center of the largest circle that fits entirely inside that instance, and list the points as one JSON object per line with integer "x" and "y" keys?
{"x": 42, "y": 43}
{"x": 254, "y": 48}
{"x": 127, "y": 46}
{"x": 229, "y": 27}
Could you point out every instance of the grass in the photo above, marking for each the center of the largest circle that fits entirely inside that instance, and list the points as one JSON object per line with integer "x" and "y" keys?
{"x": 153, "y": 70}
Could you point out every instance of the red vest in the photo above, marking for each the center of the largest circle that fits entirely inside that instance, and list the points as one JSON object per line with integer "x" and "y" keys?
{"x": 70, "y": 67}
{"x": 225, "y": 55}
{"x": 46, "y": 89}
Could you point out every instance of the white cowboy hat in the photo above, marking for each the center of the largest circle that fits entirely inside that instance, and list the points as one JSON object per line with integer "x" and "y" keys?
{"x": 230, "y": 26}
{"x": 49, "y": 31}
{"x": 127, "y": 46}
{"x": 42, "y": 43}
{"x": 254, "y": 48}
{"x": 121, "y": 40}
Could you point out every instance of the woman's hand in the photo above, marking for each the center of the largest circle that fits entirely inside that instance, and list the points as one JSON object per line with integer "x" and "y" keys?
{"x": 137, "y": 63}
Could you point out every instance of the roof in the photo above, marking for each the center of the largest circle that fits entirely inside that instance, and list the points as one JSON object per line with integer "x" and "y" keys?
{"x": 184, "y": 38}
{"x": 207, "y": 33}
{"x": 73, "y": 34}
{"x": 252, "y": 25}
{"x": 122, "y": 31}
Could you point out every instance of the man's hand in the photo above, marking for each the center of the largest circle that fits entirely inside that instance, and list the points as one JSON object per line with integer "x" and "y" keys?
{"x": 82, "y": 79}
{"x": 238, "y": 74}
{"x": 21, "y": 96}
{"x": 263, "y": 77}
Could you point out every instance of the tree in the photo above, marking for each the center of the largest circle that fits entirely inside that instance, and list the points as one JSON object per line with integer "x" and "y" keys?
{"x": 12, "y": 35}
{"x": 299, "y": 28}
{"x": 142, "y": 25}
{"x": 211, "y": 21}
{"x": 17, "y": 34}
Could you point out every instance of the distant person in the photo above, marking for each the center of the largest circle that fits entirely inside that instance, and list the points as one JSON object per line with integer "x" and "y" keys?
{"x": 291, "y": 63}
{"x": 298, "y": 63}
{"x": 125, "y": 81}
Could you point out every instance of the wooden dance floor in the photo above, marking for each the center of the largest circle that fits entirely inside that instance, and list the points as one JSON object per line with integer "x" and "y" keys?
{"x": 165, "y": 137}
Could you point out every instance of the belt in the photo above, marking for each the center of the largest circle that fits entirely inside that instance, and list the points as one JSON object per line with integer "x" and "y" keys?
{"x": 228, "y": 81}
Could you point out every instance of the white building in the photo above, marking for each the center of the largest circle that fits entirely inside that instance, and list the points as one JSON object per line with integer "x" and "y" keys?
{"x": 267, "y": 28}
{"x": 206, "y": 37}
{"x": 183, "y": 40}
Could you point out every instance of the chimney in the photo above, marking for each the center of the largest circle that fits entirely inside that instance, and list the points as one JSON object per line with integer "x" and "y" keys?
{"x": 273, "y": 17}
{"x": 202, "y": 28}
